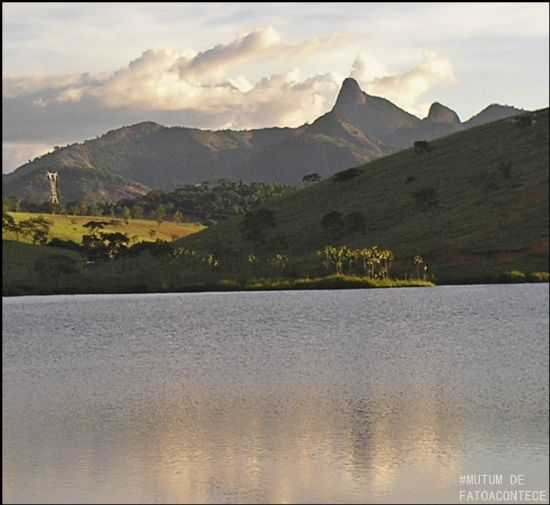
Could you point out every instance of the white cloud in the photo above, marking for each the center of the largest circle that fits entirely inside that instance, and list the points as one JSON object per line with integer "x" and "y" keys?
{"x": 165, "y": 80}
{"x": 407, "y": 88}
{"x": 208, "y": 89}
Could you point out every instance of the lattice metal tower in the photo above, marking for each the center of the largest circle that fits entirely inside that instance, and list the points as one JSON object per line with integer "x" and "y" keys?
{"x": 53, "y": 179}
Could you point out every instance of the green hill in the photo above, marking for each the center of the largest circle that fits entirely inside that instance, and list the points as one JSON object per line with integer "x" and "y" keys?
{"x": 474, "y": 206}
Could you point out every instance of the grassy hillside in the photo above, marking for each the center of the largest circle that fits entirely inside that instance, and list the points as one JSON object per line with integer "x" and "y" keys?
{"x": 71, "y": 227}
{"x": 474, "y": 206}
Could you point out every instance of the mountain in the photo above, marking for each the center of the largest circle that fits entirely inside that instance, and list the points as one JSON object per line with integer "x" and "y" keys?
{"x": 375, "y": 116}
{"x": 475, "y": 206}
{"x": 493, "y": 112}
{"x": 132, "y": 160}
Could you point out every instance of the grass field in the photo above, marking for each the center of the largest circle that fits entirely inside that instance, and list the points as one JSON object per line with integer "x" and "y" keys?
{"x": 66, "y": 227}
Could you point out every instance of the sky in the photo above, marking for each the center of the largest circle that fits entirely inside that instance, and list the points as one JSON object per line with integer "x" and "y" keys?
{"x": 72, "y": 71}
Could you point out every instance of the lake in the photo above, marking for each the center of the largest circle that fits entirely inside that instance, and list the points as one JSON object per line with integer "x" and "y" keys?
{"x": 383, "y": 395}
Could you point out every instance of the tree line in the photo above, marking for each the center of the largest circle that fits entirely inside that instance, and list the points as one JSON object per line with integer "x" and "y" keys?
{"x": 205, "y": 202}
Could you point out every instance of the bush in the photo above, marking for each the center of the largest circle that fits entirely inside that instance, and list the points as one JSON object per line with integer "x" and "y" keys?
{"x": 513, "y": 276}
{"x": 538, "y": 277}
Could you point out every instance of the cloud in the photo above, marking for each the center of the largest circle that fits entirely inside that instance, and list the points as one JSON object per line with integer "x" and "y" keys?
{"x": 207, "y": 89}
{"x": 404, "y": 89}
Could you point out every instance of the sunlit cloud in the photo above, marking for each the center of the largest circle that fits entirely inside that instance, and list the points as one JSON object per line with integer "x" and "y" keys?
{"x": 407, "y": 88}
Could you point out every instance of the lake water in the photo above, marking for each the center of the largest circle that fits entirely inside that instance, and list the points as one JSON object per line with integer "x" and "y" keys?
{"x": 316, "y": 396}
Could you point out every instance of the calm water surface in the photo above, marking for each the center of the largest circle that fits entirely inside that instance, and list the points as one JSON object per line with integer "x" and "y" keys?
{"x": 317, "y": 396}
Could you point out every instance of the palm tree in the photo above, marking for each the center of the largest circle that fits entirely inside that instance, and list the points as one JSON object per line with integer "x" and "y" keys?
{"x": 418, "y": 260}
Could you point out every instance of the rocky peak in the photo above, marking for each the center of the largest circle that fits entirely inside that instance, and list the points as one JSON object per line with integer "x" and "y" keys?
{"x": 350, "y": 94}
{"x": 441, "y": 114}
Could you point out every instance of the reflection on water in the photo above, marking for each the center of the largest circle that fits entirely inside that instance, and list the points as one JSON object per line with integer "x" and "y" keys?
{"x": 350, "y": 397}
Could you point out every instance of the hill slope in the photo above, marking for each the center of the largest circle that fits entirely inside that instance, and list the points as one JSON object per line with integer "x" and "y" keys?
{"x": 132, "y": 160}
{"x": 476, "y": 204}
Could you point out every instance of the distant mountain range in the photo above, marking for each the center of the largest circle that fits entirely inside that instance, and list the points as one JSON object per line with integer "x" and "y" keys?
{"x": 132, "y": 160}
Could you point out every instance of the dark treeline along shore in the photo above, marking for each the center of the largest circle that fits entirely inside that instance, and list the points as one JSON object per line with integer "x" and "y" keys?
{"x": 471, "y": 207}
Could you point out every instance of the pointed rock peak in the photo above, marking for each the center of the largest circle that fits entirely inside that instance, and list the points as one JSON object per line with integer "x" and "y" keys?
{"x": 350, "y": 94}
{"x": 441, "y": 114}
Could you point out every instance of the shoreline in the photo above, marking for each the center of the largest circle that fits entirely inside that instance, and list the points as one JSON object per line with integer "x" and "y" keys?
{"x": 254, "y": 286}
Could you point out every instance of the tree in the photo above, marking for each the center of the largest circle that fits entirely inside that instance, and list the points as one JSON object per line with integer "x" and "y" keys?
{"x": 137, "y": 212}
{"x": 83, "y": 209}
{"x": 95, "y": 226}
{"x": 311, "y": 178}
{"x": 37, "y": 227}
{"x": 178, "y": 217}
{"x": 160, "y": 214}
{"x": 93, "y": 209}
{"x": 333, "y": 223}
{"x": 212, "y": 261}
{"x": 126, "y": 214}
{"x": 9, "y": 224}
{"x": 73, "y": 210}
{"x": 279, "y": 262}
{"x": 105, "y": 245}
{"x": 333, "y": 255}
{"x": 418, "y": 261}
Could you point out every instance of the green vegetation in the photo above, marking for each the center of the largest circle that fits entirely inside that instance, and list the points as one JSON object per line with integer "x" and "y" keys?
{"x": 24, "y": 272}
{"x": 67, "y": 227}
{"x": 205, "y": 202}
{"x": 455, "y": 208}
{"x": 473, "y": 207}
{"x": 335, "y": 282}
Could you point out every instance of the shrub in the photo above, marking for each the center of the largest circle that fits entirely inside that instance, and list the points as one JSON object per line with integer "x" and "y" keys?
{"x": 513, "y": 276}
{"x": 538, "y": 277}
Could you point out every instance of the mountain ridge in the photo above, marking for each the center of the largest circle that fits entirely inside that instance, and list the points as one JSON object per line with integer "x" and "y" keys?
{"x": 132, "y": 160}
